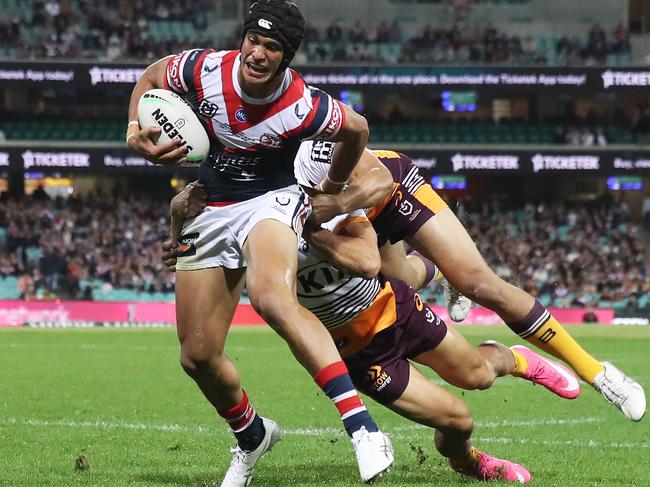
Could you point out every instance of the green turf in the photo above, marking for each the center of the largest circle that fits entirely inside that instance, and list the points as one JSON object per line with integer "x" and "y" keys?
{"x": 119, "y": 398}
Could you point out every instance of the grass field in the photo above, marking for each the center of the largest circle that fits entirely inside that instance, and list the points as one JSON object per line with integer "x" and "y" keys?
{"x": 120, "y": 399}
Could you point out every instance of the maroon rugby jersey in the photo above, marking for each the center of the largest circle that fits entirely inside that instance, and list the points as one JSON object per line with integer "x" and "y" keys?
{"x": 253, "y": 141}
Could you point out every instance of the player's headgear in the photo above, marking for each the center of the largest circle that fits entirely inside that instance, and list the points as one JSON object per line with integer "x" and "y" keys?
{"x": 280, "y": 20}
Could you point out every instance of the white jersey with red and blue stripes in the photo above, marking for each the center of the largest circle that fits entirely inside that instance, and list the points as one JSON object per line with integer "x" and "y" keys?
{"x": 254, "y": 141}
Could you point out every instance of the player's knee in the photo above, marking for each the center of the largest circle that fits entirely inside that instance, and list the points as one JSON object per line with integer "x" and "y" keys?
{"x": 458, "y": 420}
{"x": 198, "y": 359}
{"x": 478, "y": 377}
{"x": 274, "y": 304}
{"x": 482, "y": 286}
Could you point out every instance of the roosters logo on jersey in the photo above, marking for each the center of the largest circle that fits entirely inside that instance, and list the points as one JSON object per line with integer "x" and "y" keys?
{"x": 265, "y": 24}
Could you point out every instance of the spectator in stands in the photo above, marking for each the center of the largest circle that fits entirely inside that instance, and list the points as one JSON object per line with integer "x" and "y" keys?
{"x": 334, "y": 32}
{"x": 646, "y": 213}
{"x": 621, "y": 39}
{"x": 71, "y": 251}
{"x": 26, "y": 287}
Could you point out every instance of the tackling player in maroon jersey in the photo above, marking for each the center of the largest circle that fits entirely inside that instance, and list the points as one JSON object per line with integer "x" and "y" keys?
{"x": 412, "y": 211}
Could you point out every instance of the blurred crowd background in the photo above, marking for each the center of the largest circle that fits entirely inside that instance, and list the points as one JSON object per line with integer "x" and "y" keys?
{"x": 108, "y": 247}
{"x": 98, "y": 238}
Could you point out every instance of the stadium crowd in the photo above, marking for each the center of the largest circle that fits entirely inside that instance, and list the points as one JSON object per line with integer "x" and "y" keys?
{"x": 567, "y": 255}
{"x": 111, "y": 29}
{"x": 73, "y": 248}
{"x": 458, "y": 44}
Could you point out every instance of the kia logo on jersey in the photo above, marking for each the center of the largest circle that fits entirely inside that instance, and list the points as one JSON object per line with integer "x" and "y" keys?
{"x": 241, "y": 115}
{"x": 265, "y": 24}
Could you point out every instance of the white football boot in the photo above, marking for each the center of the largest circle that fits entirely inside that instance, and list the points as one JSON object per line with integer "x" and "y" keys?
{"x": 458, "y": 306}
{"x": 240, "y": 471}
{"x": 374, "y": 453}
{"x": 624, "y": 393}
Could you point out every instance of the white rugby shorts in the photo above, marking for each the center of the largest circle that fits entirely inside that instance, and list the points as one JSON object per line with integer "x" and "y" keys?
{"x": 215, "y": 238}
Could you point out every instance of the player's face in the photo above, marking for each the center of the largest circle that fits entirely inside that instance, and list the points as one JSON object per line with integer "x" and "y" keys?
{"x": 261, "y": 56}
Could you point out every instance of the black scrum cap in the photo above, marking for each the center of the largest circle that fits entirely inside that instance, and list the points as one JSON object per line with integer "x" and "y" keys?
{"x": 281, "y": 20}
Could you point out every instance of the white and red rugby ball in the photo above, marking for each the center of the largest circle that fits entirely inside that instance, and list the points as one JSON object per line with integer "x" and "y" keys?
{"x": 174, "y": 116}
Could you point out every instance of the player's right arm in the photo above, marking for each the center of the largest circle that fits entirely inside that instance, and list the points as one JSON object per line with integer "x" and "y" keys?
{"x": 143, "y": 141}
{"x": 370, "y": 183}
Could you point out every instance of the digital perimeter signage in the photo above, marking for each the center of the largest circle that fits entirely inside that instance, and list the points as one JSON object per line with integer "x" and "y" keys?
{"x": 105, "y": 75}
{"x": 446, "y": 160}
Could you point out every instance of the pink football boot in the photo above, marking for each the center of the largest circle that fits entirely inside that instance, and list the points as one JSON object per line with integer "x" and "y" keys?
{"x": 552, "y": 375}
{"x": 492, "y": 468}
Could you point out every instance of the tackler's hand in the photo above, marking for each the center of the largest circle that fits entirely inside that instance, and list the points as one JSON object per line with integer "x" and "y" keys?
{"x": 169, "y": 255}
{"x": 189, "y": 202}
{"x": 324, "y": 207}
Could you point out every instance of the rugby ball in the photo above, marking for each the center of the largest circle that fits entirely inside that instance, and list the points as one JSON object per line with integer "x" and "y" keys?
{"x": 174, "y": 116}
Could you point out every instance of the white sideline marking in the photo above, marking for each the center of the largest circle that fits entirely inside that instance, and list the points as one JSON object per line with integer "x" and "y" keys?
{"x": 296, "y": 432}
{"x": 572, "y": 443}
{"x": 399, "y": 432}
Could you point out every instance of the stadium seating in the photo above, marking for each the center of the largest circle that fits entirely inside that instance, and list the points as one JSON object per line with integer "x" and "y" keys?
{"x": 416, "y": 132}
{"x": 164, "y": 27}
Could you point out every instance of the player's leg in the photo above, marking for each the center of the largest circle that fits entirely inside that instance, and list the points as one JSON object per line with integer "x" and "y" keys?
{"x": 202, "y": 325}
{"x": 467, "y": 367}
{"x": 444, "y": 240}
{"x": 431, "y": 405}
{"x": 418, "y": 271}
{"x": 426, "y": 403}
{"x": 271, "y": 254}
{"x": 206, "y": 300}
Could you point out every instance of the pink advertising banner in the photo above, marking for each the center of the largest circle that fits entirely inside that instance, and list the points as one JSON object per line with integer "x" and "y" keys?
{"x": 19, "y": 313}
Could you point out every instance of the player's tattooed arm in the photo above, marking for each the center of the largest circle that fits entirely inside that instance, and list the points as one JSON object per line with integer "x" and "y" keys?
{"x": 353, "y": 248}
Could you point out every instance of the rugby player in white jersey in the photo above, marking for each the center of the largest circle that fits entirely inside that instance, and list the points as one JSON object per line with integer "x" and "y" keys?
{"x": 256, "y": 111}
{"x": 412, "y": 211}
